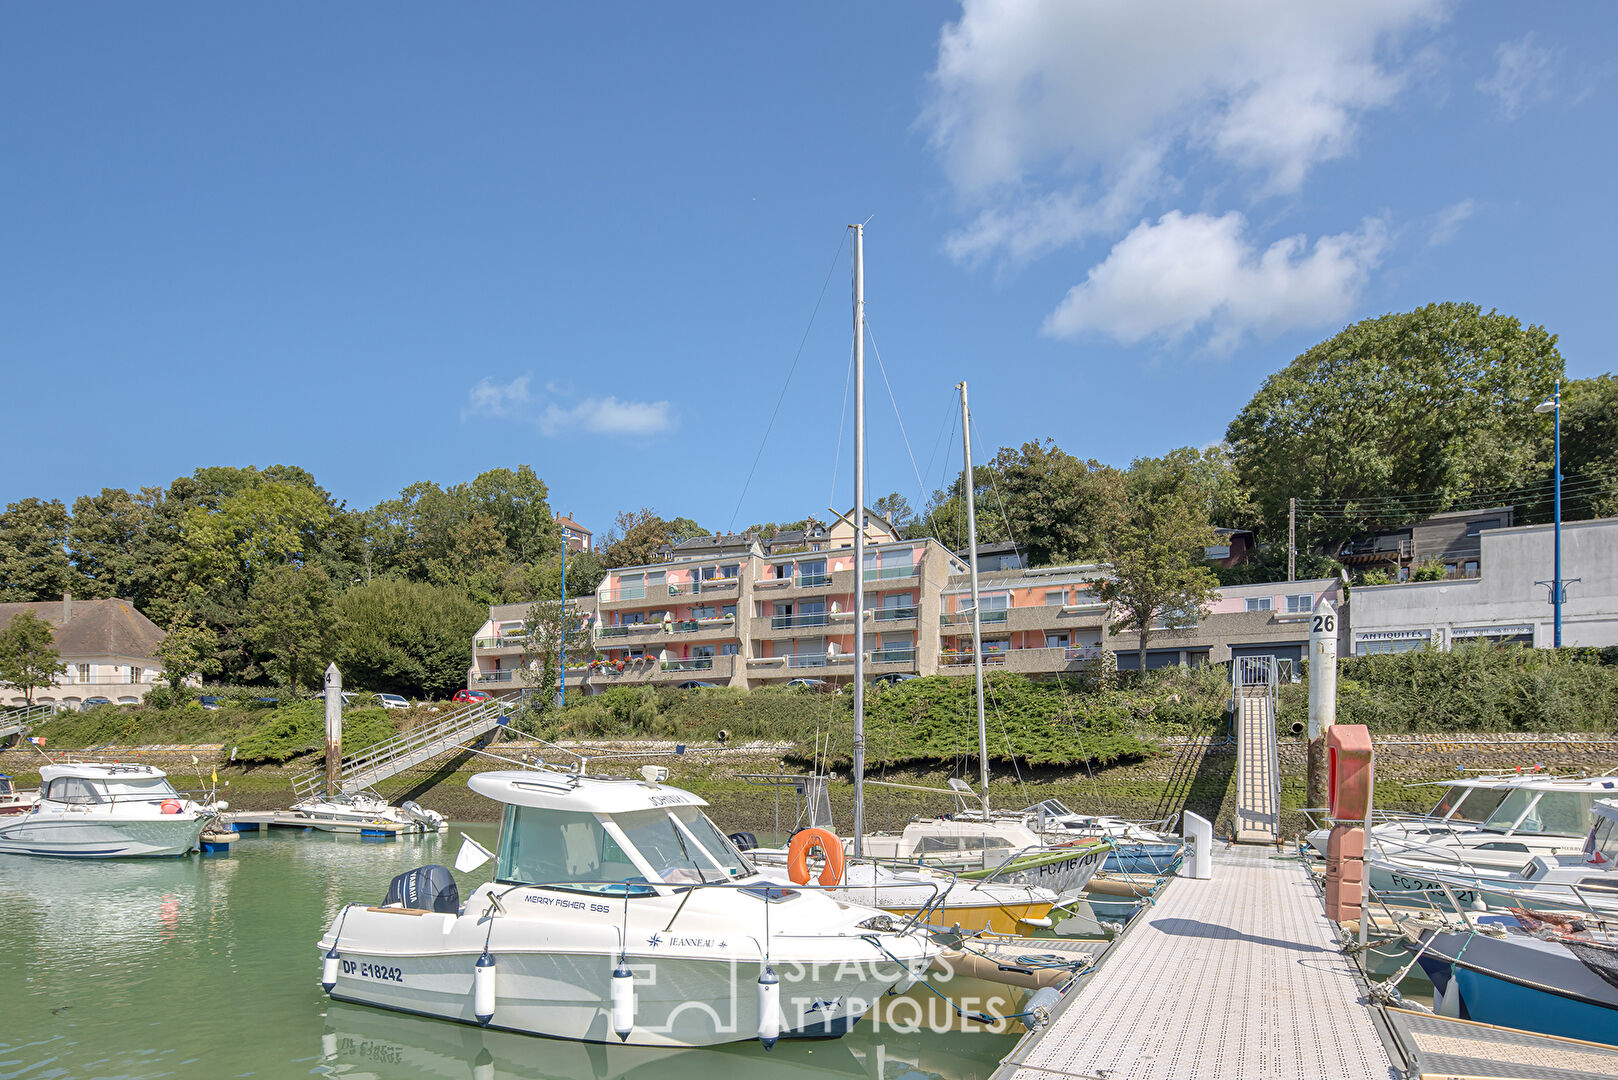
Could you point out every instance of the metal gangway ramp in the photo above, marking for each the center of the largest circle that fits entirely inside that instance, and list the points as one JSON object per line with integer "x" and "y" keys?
{"x": 390, "y": 757}
{"x": 1258, "y": 768}
{"x": 19, "y": 722}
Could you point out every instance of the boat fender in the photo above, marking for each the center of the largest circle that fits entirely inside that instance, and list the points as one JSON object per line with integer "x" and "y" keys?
{"x": 328, "y": 969}
{"x": 769, "y": 1007}
{"x": 171, "y": 806}
{"x": 623, "y": 1000}
{"x": 483, "y": 989}
{"x": 1040, "y": 1003}
{"x": 1447, "y": 1002}
{"x": 806, "y": 841}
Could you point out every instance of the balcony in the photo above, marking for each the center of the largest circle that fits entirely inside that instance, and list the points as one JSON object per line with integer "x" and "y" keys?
{"x": 504, "y": 642}
{"x": 789, "y": 622}
{"x": 707, "y": 668}
{"x": 892, "y": 656}
{"x": 690, "y": 663}
{"x": 893, "y": 573}
{"x": 893, "y": 614}
{"x": 481, "y": 677}
{"x": 964, "y": 618}
{"x": 711, "y": 585}
{"x": 964, "y": 659}
{"x": 624, "y": 630}
{"x": 634, "y": 596}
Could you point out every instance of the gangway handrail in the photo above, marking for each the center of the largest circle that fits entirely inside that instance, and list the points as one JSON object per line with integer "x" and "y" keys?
{"x": 453, "y": 730}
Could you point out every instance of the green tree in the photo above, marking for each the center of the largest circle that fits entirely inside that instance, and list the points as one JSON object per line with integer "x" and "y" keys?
{"x": 1435, "y": 403}
{"x": 290, "y": 623}
{"x": 1589, "y": 448}
{"x": 636, "y": 536}
{"x": 1159, "y": 571}
{"x": 556, "y": 630}
{"x": 28, "y": 657}
{"x": 101, "y": 540}
{"x": 186, "y": 650}
{"x": 515, "y": 501}
{"x": 896, "y": 508}
{"x": 1058, "y": 508}
{"x": 267, "y": 524}
{"x": 406, "y": 637}
{"x": 33, "y": 551}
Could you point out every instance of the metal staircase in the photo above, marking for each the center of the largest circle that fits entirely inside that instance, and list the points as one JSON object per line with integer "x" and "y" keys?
{"x": 1258, "y": 768}
{"x": 20, "y": 722}
{"x": 390, "y": 757}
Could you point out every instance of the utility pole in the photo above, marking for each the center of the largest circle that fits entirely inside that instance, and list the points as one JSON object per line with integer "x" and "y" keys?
{"x": 1292, "y": 539}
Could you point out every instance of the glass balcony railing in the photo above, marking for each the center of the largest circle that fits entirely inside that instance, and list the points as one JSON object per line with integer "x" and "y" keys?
{"x": 623, "y": 631}
{"x": 893, "y": 656}
{"x": 493, "y": 676}
{"x": 891, "y": 573}
{"x": 894, "y": 614}
{"x": 693, "y": 663}
{"x": 964, "y": 618}
{"x": 813, "y": 581}
{"x": 507, "y": 641}
{"x": 787, "y": 622}
{"x": 956, "y": 659}
{"x": 807, "y": 660}
{"x": 691, "y": 588}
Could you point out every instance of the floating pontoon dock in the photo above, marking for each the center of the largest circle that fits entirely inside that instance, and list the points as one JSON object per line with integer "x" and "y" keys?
{"x": 254, "y": 820}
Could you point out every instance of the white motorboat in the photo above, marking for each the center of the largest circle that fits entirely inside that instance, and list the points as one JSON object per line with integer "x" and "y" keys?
{"x": 618, "y": 912}
{"x": 1584, "y": 882}
{"x": 998, "y": 849}
{"x": 13, "y": 801}
{"x": 99, "y": 811}
{"x": 363, "y": 812}
{"x": 1492, "y": 823}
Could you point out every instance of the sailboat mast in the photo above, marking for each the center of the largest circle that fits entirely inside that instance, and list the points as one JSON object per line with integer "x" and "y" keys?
{"x": 977, "y": 615}
{"x": 859, "y": 540}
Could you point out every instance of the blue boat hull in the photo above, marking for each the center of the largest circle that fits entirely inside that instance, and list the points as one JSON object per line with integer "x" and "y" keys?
{"x": 1127, "y": 858}
{"x": 1489, "y": 1000}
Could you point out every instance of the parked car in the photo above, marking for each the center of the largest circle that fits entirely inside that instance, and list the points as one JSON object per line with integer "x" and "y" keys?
{"x": 265, "y": 702}
{"x": 463, "y": 696}
{"x": 811, "y": 684}
{"x": 892, "y": 678}
{"x": 208, "y": 702}
{"x": 392, "y": 701}
{"x": 697, "y": 684}
{"x": 93, "y": 702}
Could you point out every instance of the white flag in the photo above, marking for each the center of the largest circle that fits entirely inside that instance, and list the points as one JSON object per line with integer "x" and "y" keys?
{"x": 472, "y": 855}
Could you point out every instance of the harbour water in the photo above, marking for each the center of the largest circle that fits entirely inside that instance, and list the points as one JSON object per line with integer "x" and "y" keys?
{"x": 207, "y": 967}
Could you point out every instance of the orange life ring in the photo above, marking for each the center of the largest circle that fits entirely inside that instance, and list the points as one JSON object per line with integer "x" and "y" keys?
{"x": 798, "y": 856}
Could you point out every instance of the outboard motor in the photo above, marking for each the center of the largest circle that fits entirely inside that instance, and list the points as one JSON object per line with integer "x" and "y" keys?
{"x": 426, "y": 888}
{"x": 744, "y": 841}
{"x": 428, "y": 819}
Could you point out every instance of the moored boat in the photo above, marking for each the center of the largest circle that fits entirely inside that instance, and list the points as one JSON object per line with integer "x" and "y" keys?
{"x": 363, "y": 812}
{"x": 13, "y": 801}
{"x": 619, "y": 913}
{"x": 93, "y": 810}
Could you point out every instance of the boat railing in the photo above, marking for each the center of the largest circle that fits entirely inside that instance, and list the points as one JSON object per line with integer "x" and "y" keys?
{"x": 1536, "y": 899}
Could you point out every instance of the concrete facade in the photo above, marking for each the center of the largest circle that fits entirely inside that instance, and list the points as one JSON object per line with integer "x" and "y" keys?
{"x": 1504, "y": 603}
{"x": 109, "y": 649}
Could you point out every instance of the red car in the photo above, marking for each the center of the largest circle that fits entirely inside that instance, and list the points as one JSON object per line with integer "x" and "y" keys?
{"x": 463, "y": 696}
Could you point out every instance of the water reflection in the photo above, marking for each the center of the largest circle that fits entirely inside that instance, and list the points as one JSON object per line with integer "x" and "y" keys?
{"x": 361, "y": 1043}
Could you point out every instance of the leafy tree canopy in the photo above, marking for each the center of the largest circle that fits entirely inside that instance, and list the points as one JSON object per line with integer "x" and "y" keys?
{"x": 33, "y": 559}
{"x": 28, "y": 657}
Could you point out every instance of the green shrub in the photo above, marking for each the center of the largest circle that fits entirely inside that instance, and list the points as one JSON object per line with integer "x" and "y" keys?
{"x": 300, "y": 728}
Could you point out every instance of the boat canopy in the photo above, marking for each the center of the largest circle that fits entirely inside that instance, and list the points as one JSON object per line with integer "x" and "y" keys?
{"x": 549, "y": 790}
{"x": 935, "y": 837}
{"x": 96, "y": 770}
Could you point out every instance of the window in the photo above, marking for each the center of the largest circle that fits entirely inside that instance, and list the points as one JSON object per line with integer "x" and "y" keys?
{"x": 632, "y": 587}
{"x": 812, "y": 574}
{"x": 1056, "y": 641}
{"x": 1259, "y": 603}
{"x": 729, "y": 648}
{"x": 1473, "y": 528}
{"x": 72, "y": 789}
{"x": 655, "y": 578}
{"x": 702, "y": 611}
{"x": 702, "y": 652}
{"x": 729, "y": 611}
{"x": 1300, "y": 603}
{"x": 1469, "y": 568}
{"x": 134, "y": 674}
{"x": 83, "y": 672}
{"x": 1056, "y": 598}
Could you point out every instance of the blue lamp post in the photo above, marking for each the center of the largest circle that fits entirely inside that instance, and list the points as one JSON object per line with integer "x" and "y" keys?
{"x": 561, "y": 681}
{"x": 1554, "y": 406}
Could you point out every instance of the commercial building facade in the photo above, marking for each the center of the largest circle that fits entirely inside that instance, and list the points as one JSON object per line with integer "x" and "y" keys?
{"x": 1508, "y": 601}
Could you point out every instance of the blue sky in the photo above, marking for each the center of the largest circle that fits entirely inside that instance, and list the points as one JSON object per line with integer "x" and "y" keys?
{"x": 401, "y": 242}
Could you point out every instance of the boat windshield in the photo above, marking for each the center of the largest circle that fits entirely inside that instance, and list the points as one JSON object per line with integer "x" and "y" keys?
{"x": 1465, "y": 803}
{"x": 572, "y": 850}
{"x": 138, "y": 789}
{"x": 1604, "y": 840}
{"x": 1051, "y": 808}
{"x": 1555, "y": 813}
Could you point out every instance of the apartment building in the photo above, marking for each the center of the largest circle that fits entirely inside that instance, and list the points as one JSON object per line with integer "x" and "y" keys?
{"x": 741, "y": 611}
{"x": 501, "y": 662}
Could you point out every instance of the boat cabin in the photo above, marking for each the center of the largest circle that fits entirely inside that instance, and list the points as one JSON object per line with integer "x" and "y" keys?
{"x": 1548, "y": 806}
{"x": 1601, "y": 846}
{"x": 82, "y": 784}
{"x": 605, "y": 835}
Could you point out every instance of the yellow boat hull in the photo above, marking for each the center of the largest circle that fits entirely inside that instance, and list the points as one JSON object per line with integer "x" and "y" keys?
{"x": 1000, "y": 918}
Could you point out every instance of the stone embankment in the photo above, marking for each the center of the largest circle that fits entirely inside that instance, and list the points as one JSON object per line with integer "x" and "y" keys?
{"x": 1191, "y": 773}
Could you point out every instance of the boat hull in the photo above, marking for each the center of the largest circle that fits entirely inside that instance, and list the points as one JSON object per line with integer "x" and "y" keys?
{"x": 1057, "y": 869}
{"x": 64, "y": 838}
{"x": 1132, "y": 858}
{"x": 998, "y": 918}
{"x": 1526, "y": 983}
{"x": 679, "y": 1001}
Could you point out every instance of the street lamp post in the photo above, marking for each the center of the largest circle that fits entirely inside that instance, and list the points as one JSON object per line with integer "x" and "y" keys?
{"x": 561, "y": 674}
{"x": 1554, "y": 406}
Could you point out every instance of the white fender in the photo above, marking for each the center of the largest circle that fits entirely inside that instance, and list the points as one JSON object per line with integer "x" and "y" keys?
{"x": 769, "y": 1007}
{"x": 483, "y": 977}
{"x": 623, "y": 1000}
{"x": 328, "y": 970}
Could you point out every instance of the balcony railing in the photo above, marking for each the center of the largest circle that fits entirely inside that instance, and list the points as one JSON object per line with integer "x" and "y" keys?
{"x": 893, "y": 656}
{"x": 493, "y": 676}
{"x": 893, "y": 614}
{"x": 692, "y": 626}
{"x": 505, "y": 641}
{"x": 893, "y": 573}
{"x": 994, "y": 615}
{"x": 810, "y": 581}
{"x": 694, "y": 663}
{"x": 624, "y": 629}
{"x": 1083, "y": 652}
{"x": 691, "y": 588}
{"x": 957, "y": 659}
{"x": 787, "y": 622}
{"x": 809, "y": 660}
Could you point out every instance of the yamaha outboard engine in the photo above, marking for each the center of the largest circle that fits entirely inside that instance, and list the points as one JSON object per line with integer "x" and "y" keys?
{"x": 426, "y": 888}
{"x": 744, "y": 841}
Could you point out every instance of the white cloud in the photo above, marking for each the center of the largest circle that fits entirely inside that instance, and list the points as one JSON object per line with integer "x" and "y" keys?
{"x": 489, "y": 398}
{"x": 1056, "y": 120}
{"x": 1522, "y": 77}
{"x": 609, "y": 416}
{"x": 1447, "y": 222}
{"x": 597, "y": 416}
{"x": 1193, "y": 272}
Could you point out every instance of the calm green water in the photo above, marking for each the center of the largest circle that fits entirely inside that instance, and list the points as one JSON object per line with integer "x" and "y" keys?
{"x": 206, "y": 967}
